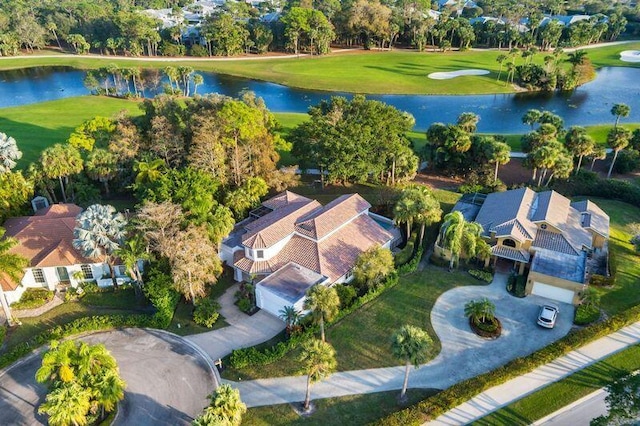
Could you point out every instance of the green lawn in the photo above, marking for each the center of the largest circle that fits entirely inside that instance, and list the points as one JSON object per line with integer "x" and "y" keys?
{"x": 559, "y": 394}
{"x": 400, "y": 72}
{"x": 626, "y": 293}
{"x": 361, "y": 340}
{"x": 348, "y": 410}
{"x": 123, "y": 298}
{"x": 40, "y": 125}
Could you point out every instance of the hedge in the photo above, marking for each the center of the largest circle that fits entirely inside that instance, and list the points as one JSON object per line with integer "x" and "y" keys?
{"x": 80, "y": 325}
{"x": 33, "y": 298}
{"x": 3, "y": 333}
{"x": 481, "y": 275}
{"x": 241, "y": 358}
{"x": 461, "y": 392}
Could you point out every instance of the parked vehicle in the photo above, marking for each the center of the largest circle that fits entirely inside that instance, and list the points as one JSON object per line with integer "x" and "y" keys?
{"x": 548, "y": 315}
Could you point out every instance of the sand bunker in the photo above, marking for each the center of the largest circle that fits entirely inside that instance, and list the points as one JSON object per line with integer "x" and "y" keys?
{"x": 454, "y": 74}
{"x": 630, "y": 56}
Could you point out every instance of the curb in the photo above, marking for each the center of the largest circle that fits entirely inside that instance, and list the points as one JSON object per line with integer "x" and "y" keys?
{"x": 568, "y": 407}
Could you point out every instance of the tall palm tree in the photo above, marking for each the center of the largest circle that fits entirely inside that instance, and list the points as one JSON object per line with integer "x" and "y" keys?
{"x": 102, "y": 165}
{"x": 197, "y": 81}
{"x": 226, "y": 403}
{"x": 290, "y": 316}
{"x": 428, "y": 211}
{"x": 468, "y": 121}
{"x": 404, "y": 212}
{"x": 620, "y": 110}
{"x": 411, "y": 345}
{"x": 500, "y": 155}
{"x": 460, "y": 237}
{"x": 99, "y": 233}
{"x": 61, "y": 161}
{"x": 577, "y": 57}
{"x": 617, "y": 139}
{"x": 11, "y": 265}
{"x": 66, "y": 405}
{"x": 531, "y": 117}
{"x": 317, "y": 361}
{"x": 108, "y": 389}
{"x": 579, "y": 143}
{"x": 500, "y": 59}
{"x": 9, "y": 153}
{"x": 131, "y": 253}
{"x": 480, "y": 310}
{"x": 599, "y": 153}
{"x": 323, "y": 302}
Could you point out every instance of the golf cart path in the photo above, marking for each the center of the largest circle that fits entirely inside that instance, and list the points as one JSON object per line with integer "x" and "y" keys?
{"x": 463, "y": 355}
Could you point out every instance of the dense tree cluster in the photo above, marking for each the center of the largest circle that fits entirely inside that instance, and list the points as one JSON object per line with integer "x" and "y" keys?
{"x": 120, "y": 27}
{"x": 356, "y": 141}
{"x": 456, "y": 149}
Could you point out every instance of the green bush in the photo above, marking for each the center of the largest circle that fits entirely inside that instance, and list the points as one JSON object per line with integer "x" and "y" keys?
{"x": 601, "y": 280}
{"x": 33, "y": 298}
{"x": 199, "y": 51}
{"x": 412, "y": 265}
{"x": 3, "y": 333}
{"x": 206, "y": 312}
{"x": 244, "y": 305}
{"x": 405, "y": 255}
{"x": 346, "y": 294}
{"x": 516, "y": 285}
{"x": 481, "y": 275}
{"x": 586, "y": 315}
{"x": 90, "y": 287}
{"x": 461, "y": 392}
{"x": 589, "y": 184}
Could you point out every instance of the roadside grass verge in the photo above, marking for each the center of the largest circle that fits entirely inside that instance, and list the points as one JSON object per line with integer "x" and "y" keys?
{"x": 362, "y": 340}
{"x": 398, "y": 72}
{"x": 347, "y": 410}
{"x": 559, "y": 394}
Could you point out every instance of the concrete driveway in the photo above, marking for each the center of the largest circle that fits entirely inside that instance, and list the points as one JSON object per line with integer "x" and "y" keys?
{"x": 167, "y": 379}
{"x": 463, "y": 355}
{"x": 520, "y": 333}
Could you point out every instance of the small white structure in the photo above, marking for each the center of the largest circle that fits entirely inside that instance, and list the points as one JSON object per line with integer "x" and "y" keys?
{"x": 292, "y": 243}
{"x": 45, "y": 240}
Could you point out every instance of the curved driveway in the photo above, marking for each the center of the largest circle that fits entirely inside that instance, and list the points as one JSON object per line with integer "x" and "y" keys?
{"x": 167, "y": 379}
{"x": 463, "y": 355}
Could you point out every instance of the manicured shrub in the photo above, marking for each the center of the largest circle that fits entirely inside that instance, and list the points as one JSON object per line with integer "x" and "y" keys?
{"x": 601, "y": 280}
{"x": 481, "y": 275}
{"x": 90, "y": 287}
{"x": 244, "y": 305}
{"x": 346, "y": 294}
{"x": 516, "y": 285}
{"x": 198, "y": 51}
{"x": 206, "y": 312}
{"x": 3, "y": 333}
{"x": 33, "y": 298}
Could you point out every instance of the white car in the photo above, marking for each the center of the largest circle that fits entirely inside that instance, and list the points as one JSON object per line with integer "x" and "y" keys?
{"x": 548, "y": 315}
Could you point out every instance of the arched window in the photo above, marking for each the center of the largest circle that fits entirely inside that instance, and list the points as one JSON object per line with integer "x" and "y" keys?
{"x": 509, "y": 242}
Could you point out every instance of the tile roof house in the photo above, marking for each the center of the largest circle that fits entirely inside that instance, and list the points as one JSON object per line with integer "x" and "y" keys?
{"x": 292, "y": 243}
{"x": 46, "y": 240}
{"x": 545, "y": 233}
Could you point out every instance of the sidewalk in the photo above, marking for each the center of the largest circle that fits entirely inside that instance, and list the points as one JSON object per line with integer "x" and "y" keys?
{"x": 502, "y": 395}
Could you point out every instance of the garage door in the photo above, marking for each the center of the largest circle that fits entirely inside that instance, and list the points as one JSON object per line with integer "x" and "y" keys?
{"x": 551, "y": 292}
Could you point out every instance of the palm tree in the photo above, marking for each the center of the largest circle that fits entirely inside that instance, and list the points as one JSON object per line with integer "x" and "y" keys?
{"x": 500, "y": 155}
{"x": 149, "y": 171}
{"x": 57, "y": 363}
{"x": 468, "y": 121}
{"x": 131, "y": 253}
{"x": 226, "y": 403}
{"x": 11, "y": 265}
{"x": 480, "y": 310}
{"x": 501, "y": 59}
{"x": 99, "y": 233}
{"x": 108, "y": 390}
{"x": 290, "y": 316}
{"x": 599, "y": 153}
{"x": 67, "y": 405}
{"x": 197, "y": 81}
{"x": 9, "y": 153}
{"x": 405, "y": 211}
{"x": 579, "y": 143}
{"x": 460, "y": 237}
{"x": 620, "y": 110}
{"x": 317, "y": 360}
{"x": 577, "y": 57}
{"x": 617, "y": 139}
{"x": 323, "y": 302}
{"x": 531, "y": 117}
{"x": 411, "y": 345}
{"x": 61, "y": 161}
{"x": 428, "y": 211}
{"x": 102, "y": 166}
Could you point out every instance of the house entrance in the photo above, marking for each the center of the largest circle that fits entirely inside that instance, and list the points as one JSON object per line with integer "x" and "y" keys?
{"x": 63, "y": 274}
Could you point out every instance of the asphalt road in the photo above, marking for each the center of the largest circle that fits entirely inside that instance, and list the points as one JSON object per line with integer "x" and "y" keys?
{"x": 579, "y": 413}
{"x": 167, "y": 380}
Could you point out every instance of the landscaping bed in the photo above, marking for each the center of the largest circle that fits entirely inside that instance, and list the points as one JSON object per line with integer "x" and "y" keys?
{"x": 489, "y": 329}
{"x": 33, "y": 298}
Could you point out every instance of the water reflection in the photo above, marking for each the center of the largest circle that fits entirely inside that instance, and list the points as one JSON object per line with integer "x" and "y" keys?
{"x": 589, "y": 104}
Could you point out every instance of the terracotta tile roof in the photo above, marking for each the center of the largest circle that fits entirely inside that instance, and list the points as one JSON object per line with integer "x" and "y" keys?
{"x": 273, "y": 227}
{"x": 320, "y": 223}
{"x": 283, "y": 199}
{"x": 45, "y": 239}
{"x": 346, "y": 236}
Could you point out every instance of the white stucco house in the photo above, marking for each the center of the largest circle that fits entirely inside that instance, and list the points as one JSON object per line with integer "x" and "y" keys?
{"x": 45, "y": 239}
{"x": 292, "y": 243}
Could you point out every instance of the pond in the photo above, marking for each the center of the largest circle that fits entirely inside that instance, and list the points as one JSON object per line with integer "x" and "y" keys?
{"x": 589, "y": 104}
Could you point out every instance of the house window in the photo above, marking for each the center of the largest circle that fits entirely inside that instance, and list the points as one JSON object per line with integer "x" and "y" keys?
{"x": 509, "y": 243}
{"x": 259, "y": 254}
{"x": 87, "y": 272}
{"x": 543, "y": 226}
{"x": 38, "y": 276}
{"x": 349, "y": 274}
